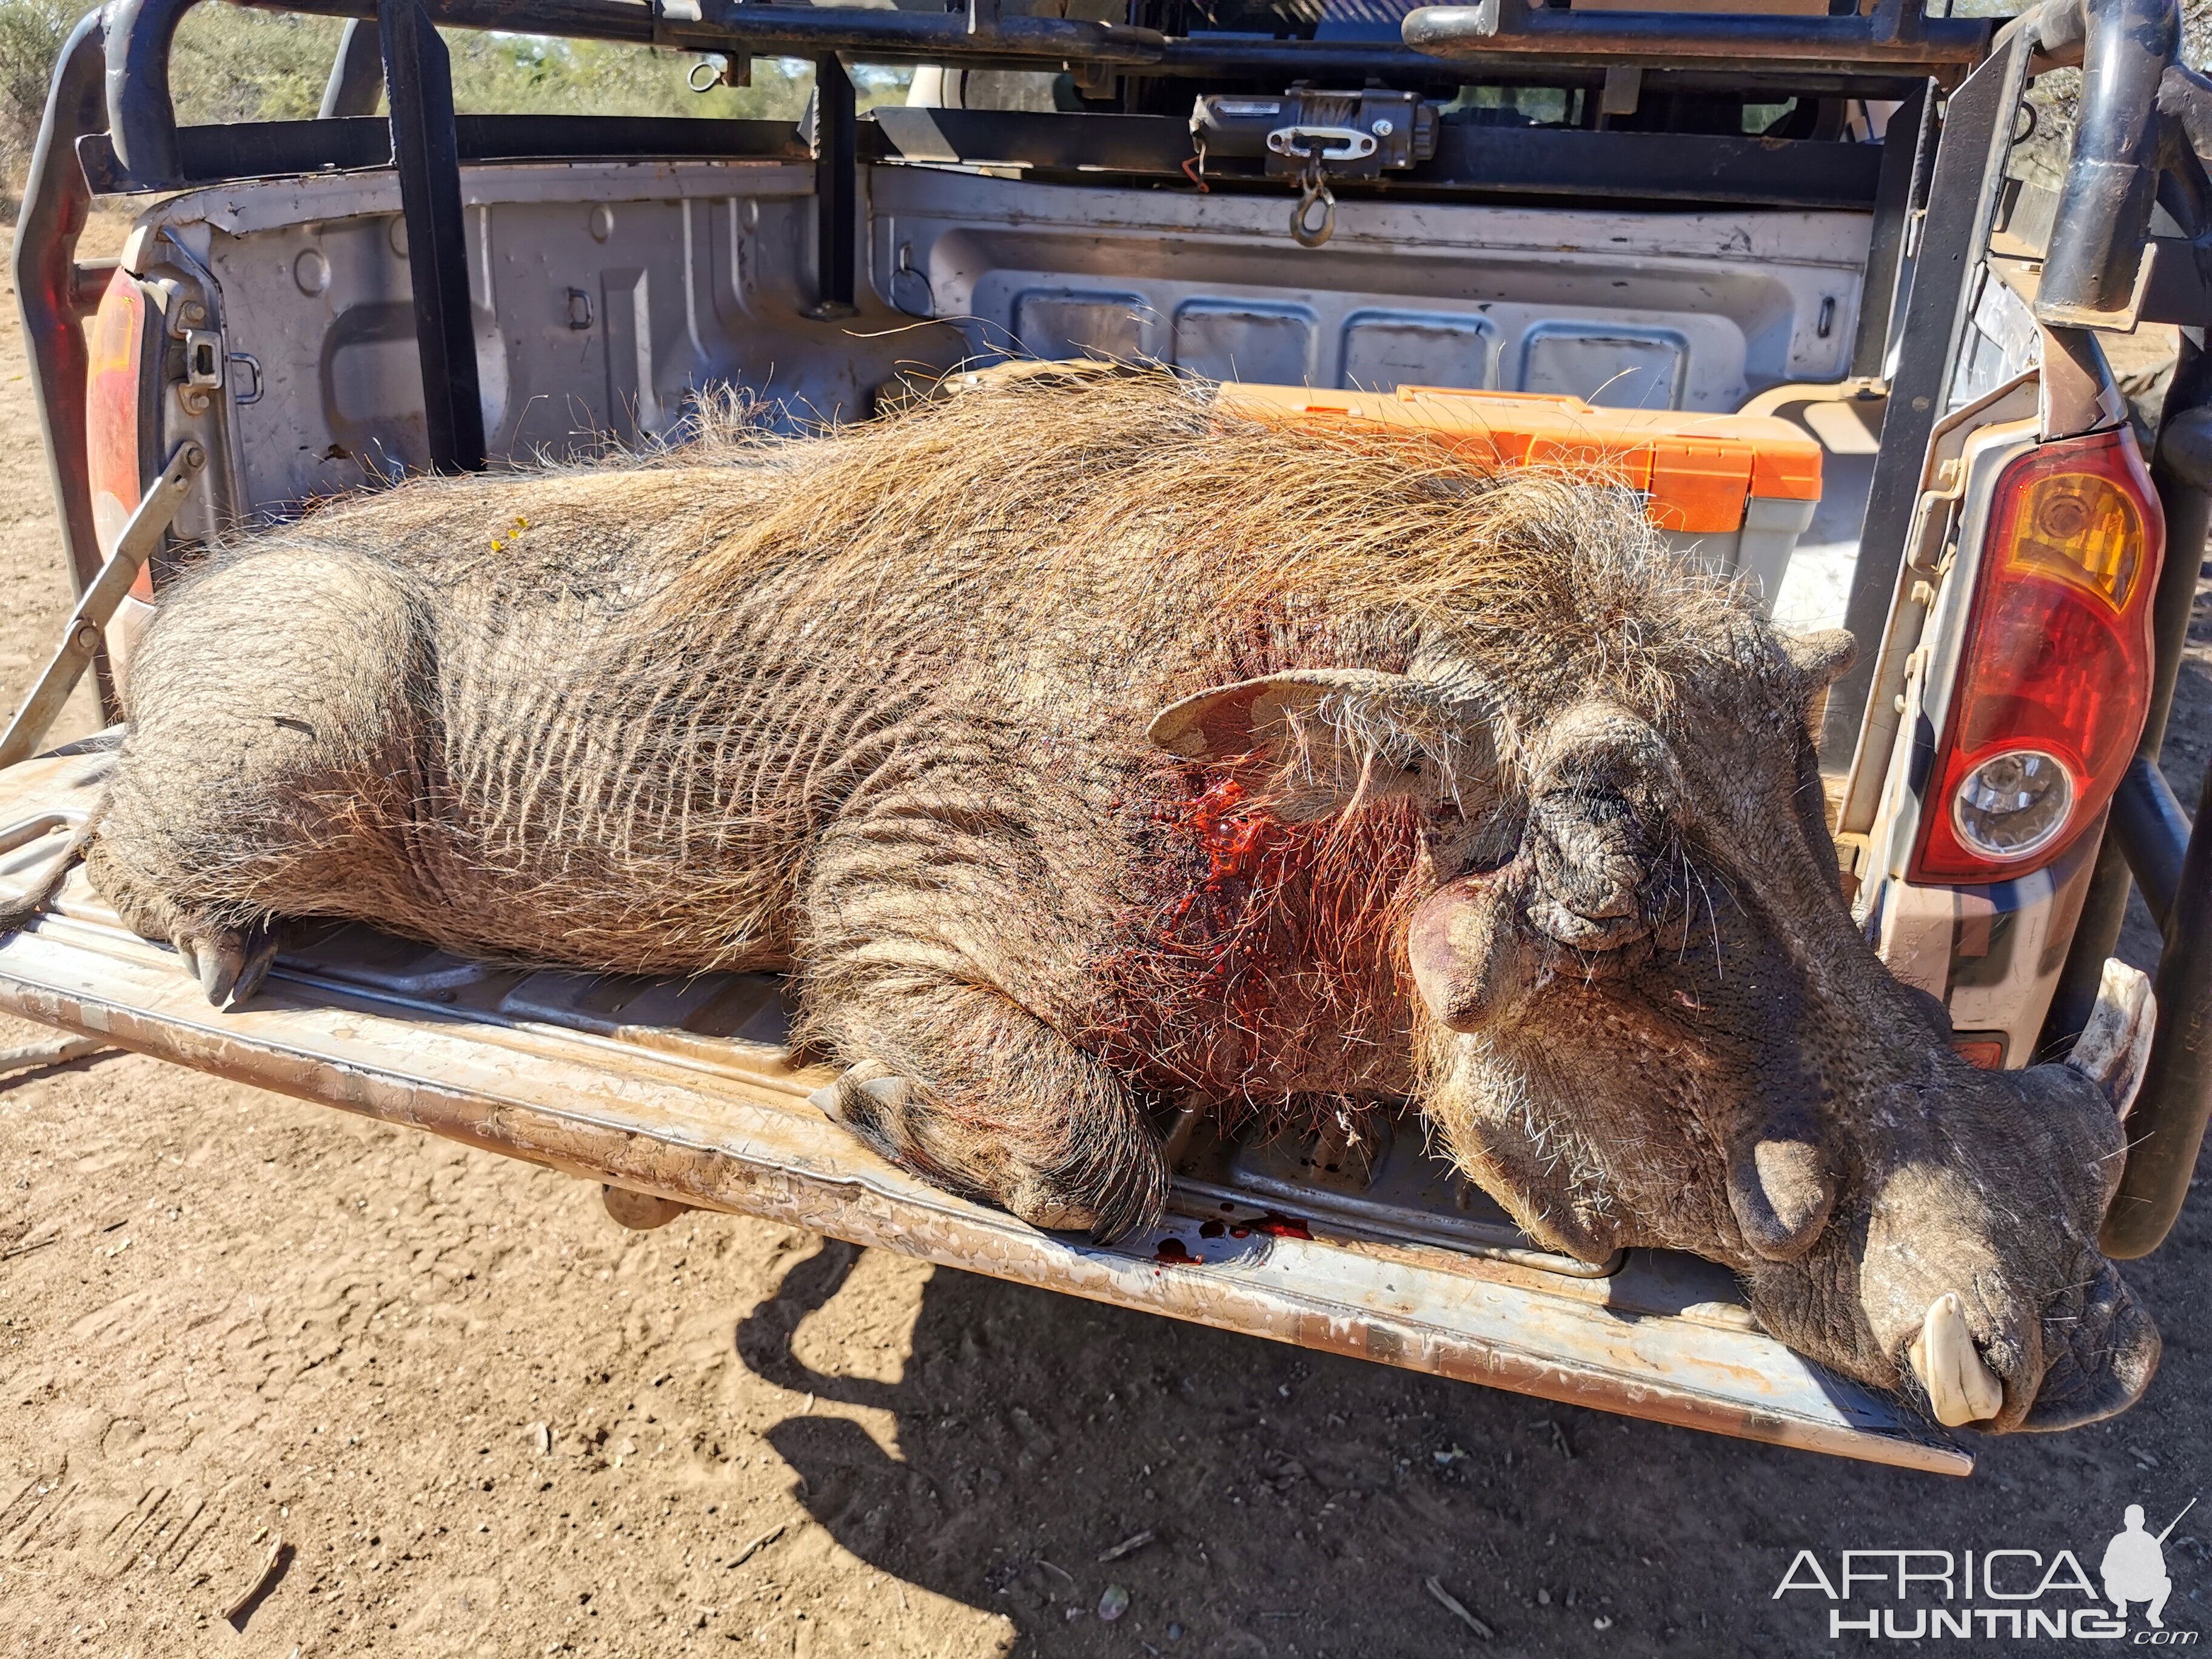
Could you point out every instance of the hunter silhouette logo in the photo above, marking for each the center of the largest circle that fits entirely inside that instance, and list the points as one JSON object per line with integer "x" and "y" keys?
{"x": 2023, "y": 1594}
{"x": 2134, "y": 1568}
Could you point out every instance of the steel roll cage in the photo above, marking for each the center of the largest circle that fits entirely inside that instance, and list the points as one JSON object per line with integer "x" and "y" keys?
{"x": 2144, "y": 123}
{"x": 1897, "y": 33}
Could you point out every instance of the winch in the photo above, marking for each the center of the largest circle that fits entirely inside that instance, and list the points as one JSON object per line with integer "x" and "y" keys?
{"x": 1313, "y": 137}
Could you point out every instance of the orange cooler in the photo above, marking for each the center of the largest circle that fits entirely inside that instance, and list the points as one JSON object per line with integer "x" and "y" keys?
{"x": 1733, "y": 491}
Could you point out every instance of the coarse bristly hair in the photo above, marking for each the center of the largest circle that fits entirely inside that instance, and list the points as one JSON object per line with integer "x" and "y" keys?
{"x": 1136, "y": 497}
{"x": 649, "y": 689}
{"x": 1158, "y": 544}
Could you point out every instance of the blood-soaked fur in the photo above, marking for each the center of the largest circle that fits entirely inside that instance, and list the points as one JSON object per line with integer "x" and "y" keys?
{"x": 1459, "y": 787}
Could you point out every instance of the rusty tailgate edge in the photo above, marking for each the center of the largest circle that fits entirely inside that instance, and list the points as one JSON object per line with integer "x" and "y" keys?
{"x": 740, "y": 1139}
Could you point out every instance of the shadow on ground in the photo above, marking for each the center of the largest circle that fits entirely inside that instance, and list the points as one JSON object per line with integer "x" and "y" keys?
{"x": 1298, "y": 1502}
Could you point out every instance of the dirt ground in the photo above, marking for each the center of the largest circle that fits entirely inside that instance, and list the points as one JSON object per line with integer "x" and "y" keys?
{"x": 277, "y": 1381}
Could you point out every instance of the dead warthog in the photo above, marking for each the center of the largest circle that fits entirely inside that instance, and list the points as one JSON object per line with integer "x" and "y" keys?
{"x": 1079, "y": 751}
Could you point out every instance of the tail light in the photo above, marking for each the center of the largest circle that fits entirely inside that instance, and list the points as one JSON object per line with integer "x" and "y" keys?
{"x": 117, "y": 444}
{"x": 1984, "y": 1050}
{"x": 2054, "y": 681}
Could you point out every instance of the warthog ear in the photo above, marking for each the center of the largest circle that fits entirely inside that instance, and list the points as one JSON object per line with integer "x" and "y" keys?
{"x": 1334, "y": 736}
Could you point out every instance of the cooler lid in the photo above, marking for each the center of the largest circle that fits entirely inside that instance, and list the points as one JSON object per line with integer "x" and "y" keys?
{"x": 1697, "y": 471}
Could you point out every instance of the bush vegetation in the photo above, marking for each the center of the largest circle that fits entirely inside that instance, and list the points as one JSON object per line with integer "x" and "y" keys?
{"x": 31, "y": 36}
{"x": 234, "y": 65}
{"x": 231, "y": 63}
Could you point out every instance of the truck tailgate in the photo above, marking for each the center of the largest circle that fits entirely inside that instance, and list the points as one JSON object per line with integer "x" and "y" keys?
{"x": 684, "y": 1089}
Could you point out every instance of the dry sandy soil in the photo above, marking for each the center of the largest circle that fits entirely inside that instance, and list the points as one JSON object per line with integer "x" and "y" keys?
{"x": 465, "y": 1414}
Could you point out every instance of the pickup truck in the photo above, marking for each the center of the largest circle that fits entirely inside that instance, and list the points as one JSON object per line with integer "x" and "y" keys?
{"x": 1797, "y": 210}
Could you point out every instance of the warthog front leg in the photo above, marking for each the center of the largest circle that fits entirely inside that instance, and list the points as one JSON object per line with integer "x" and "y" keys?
{"x": 964, "y": 1088}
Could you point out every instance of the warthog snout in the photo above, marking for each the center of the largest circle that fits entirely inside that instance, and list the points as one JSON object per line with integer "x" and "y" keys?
{"x": 1996, "y": 1342}
{"x": 1980, "y": 1280}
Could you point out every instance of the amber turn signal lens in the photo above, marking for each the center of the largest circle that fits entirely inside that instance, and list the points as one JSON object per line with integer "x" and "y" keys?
{"x": 117, "y": 422}
{"x": 2083, "y": 529}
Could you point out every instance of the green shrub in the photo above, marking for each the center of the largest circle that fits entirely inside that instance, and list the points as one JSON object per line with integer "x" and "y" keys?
{"x": 232, "y": 64}
{"x": 31, "y": 36}
{"x": 532, "y": 74}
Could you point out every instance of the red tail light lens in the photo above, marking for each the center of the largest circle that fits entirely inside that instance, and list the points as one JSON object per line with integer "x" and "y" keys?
{"x": 1983, "y": 1049}
{"x": 117, "y": 444}
{"x": 2055, "y": 680}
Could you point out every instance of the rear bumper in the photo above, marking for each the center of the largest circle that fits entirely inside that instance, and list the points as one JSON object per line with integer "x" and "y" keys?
{"x": 684, "y": 1091}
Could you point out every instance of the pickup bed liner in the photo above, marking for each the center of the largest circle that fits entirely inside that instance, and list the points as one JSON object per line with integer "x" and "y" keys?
{"x": 684, "y": 1089}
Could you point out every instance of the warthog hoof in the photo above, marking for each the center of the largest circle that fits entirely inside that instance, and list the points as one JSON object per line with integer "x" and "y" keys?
{"x": 896, "y": 1118}
{"x": 229, "y": 962}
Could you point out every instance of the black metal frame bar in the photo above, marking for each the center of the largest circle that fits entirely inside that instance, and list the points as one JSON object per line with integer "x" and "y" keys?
{"x": 251, "y": 150}
{"x": 1895, "y": 35}
{"x": 837, "y": 189}
{"x": 2171, "y": 860}
{"x": 418, "y": 79}
{"x": 770, "y": 28}
{"x": 143, "y": 126}
{"x": 1629, "y": 167}
{"x": 2125, "y": 48}
{"x": 142, "y": 116}
{"x": 1908, "y": 150}
{"x": 2151, "y": 831}
{"x": 1962, "y": 200}
{"x": 2166, "y": 1129}
{"x": 1650, "y": 167}
{"x": 765, "y": 28}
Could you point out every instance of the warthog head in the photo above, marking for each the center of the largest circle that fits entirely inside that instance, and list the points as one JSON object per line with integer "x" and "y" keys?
{"x": 1645, "y": 1017}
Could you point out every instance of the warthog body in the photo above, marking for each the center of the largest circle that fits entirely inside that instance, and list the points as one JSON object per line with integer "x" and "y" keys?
{"x": 1080, "y": 751}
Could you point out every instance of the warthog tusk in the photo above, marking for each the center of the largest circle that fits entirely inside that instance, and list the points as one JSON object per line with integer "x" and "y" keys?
{"x": 1960, "y": 1386}
{"x": 2114, "y": 1047}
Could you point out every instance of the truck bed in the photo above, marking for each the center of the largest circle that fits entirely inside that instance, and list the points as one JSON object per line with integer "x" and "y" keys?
{"x": 686, "y": 1090}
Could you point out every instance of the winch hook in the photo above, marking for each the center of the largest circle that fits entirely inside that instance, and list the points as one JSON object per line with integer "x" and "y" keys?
{"x": 1313, "y": 188}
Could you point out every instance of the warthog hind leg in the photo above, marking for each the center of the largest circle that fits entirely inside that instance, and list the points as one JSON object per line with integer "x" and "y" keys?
{"x": 229, "y": 962}
{"x": 269, "y": 771}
